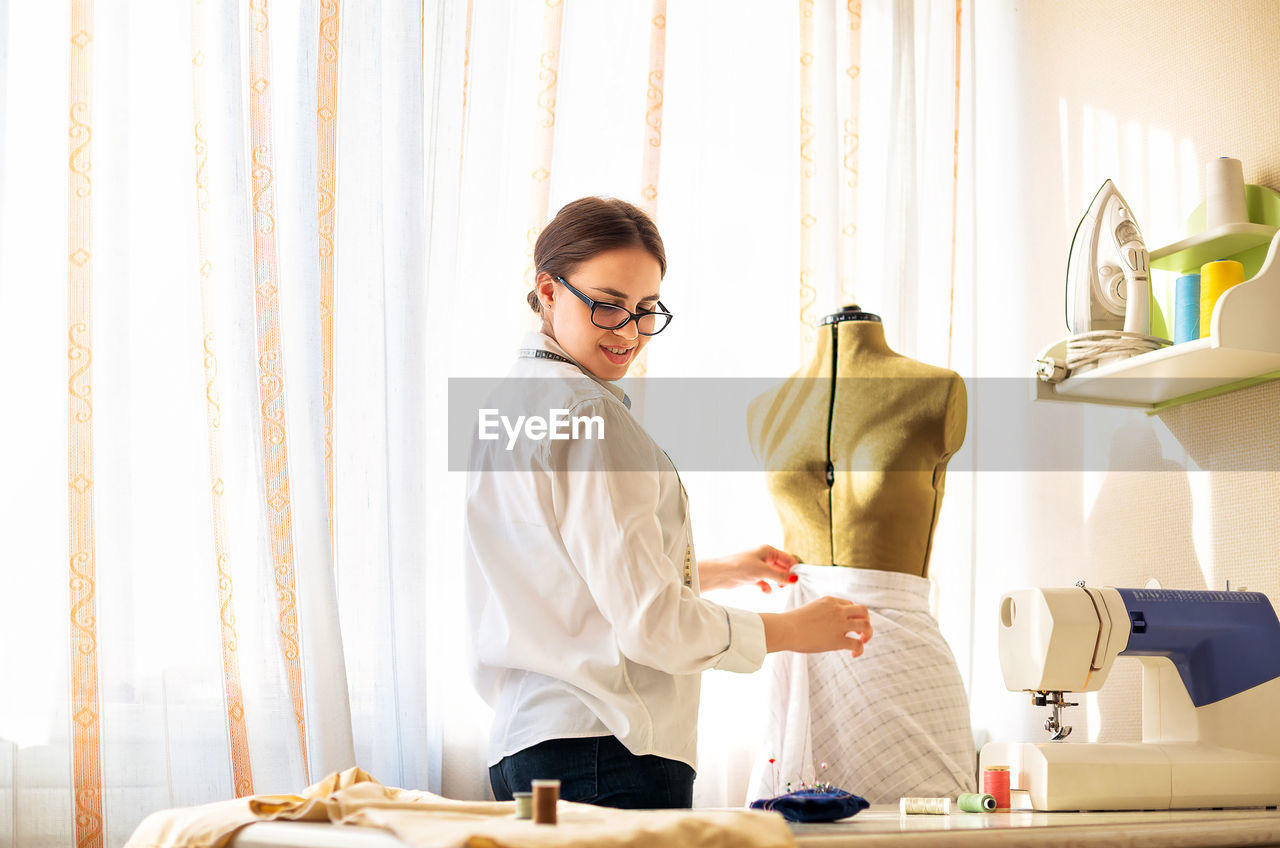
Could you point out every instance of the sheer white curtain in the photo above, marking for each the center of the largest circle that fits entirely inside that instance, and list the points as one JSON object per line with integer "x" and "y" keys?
{"x": 380, "y": 418}
{"x": 517, "y": 77}
{"x": 174, "y": 625}
{"x": 265, "y": 291}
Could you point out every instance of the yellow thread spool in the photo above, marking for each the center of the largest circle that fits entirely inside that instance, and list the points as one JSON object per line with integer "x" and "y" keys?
{"x": 1215, "y": 278}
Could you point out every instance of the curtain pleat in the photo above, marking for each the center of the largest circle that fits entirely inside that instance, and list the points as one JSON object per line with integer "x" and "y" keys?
{"x": 544, "y": 134}
{"x": 237, "y": 729}
{"x": 808, "y": 296}
{"x": 86, "y": 708}
{"x": 849, "y": 90}
{"x": 955, "y": 179}
{"x": 379, "y": 413}
{"x": 651, "y": 158}
{"x": 271, "y": 372}
{"x": 326, "y": 147}
{"x": 653, "y": 109}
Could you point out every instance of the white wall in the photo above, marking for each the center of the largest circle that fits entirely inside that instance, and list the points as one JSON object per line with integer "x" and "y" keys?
{"x": 1068, "y": 94}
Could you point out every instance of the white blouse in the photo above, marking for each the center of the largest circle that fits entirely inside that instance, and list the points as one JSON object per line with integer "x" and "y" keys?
{"x": 581, "y": 584}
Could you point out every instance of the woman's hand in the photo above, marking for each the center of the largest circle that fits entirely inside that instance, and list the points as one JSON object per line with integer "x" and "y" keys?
{"x": 821, "y": 625}
{"x": 759, "y": 565}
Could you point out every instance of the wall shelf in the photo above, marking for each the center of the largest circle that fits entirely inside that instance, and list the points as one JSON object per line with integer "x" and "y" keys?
{"x": 1243, "y": 349}
{"x": 1246, "y": 243}
{"x": 1188, "y": 255}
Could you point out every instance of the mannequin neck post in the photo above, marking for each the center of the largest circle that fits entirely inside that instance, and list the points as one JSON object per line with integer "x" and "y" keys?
{"x": 853, "y": 312}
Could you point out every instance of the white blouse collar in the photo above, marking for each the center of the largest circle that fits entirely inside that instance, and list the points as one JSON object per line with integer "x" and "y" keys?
{"x": 541, "y": 341}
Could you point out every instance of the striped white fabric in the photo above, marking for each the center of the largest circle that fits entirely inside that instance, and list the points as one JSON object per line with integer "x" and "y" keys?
{"x": 891, "y": 723}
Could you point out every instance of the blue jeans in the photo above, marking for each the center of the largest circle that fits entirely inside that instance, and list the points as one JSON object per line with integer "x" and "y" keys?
{"x": 597, "y": 770}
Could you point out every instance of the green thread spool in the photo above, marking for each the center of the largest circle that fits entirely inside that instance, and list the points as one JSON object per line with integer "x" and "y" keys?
{"x": 972, "y": 802}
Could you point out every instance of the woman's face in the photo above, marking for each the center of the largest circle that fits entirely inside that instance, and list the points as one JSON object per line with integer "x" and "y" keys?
{"x": 626, "y": 276}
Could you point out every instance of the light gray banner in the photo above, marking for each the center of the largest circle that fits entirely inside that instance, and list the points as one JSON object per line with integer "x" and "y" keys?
{"x": 702, "y": 424}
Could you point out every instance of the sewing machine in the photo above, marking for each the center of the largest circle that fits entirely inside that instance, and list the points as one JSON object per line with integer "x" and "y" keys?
{"x": 1210, "y": 697}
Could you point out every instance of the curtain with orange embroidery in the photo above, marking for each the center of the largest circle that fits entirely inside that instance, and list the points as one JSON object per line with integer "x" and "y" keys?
{"x": 298, "y": 235}
{"x": 651, "y": 167}
{"x": 878, "y": 221}
{"x": 545, "y": 131}
{"x": 906, "y": 107}
{"x": 204, "y": 608}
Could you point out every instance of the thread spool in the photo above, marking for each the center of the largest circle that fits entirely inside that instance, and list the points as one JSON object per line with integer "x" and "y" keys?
{"x": 1186, "y": 308}
{"x": 973, "y": 802}
{"x": 524, "y": 804}
{"x": 1216, "y": 278}
{"x": 545, "y": 795}
{"x": 924, "y": 806}
{"x": 995, "y": 782}
{"x": 1224, "y": 198}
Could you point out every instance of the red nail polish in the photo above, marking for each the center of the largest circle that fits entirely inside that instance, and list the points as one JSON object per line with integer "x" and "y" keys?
{"x": 793, "y": 578}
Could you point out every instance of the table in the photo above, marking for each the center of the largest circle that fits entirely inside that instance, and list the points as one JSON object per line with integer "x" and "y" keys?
{"x": 879, "y": 825}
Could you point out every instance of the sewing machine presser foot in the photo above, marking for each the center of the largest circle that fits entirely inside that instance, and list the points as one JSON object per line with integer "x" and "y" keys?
{"x": 1055, "y": 701}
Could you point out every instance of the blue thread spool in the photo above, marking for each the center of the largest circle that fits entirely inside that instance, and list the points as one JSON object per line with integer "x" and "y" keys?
{"x": 1186, "y": 309}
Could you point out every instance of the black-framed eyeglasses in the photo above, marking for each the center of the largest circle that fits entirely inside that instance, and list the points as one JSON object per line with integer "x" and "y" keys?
{"x": 607, "y": 316}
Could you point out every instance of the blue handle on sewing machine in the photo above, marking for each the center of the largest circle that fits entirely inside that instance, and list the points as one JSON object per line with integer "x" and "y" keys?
{"x": 1222, "y": 643}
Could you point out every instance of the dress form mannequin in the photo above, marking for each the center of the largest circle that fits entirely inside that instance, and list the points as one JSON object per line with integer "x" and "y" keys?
{"x": 856, "y": 445}
{"x": 885, "y": 438}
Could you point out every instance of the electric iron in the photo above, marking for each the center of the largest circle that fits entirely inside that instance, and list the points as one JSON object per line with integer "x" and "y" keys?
{"x": 1108, "y": 283}
{"x": 1108, "y": 292}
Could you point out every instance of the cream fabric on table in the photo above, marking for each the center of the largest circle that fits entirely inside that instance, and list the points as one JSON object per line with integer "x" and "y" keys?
{"x": 422, "y": 819}
{"x": 891, "y": 723}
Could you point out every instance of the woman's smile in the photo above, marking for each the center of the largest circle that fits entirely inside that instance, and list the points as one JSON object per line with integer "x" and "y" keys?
{"x": 617, "y": 355}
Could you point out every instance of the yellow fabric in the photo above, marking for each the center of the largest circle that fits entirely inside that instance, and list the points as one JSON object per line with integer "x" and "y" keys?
{"x": 895, "y": 422}
{"x": 424, "y": 820}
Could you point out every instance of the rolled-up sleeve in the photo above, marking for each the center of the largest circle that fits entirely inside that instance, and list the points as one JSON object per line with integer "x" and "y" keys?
{"x": 746, "y": 642}
{"x": 606, "y": 494}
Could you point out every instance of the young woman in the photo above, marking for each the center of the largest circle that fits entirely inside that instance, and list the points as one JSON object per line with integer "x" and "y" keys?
{"x": 589, "y": 634}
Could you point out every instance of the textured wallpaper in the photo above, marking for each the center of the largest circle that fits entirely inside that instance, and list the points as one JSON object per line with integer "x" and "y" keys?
{"x": 1144, "y": 92}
